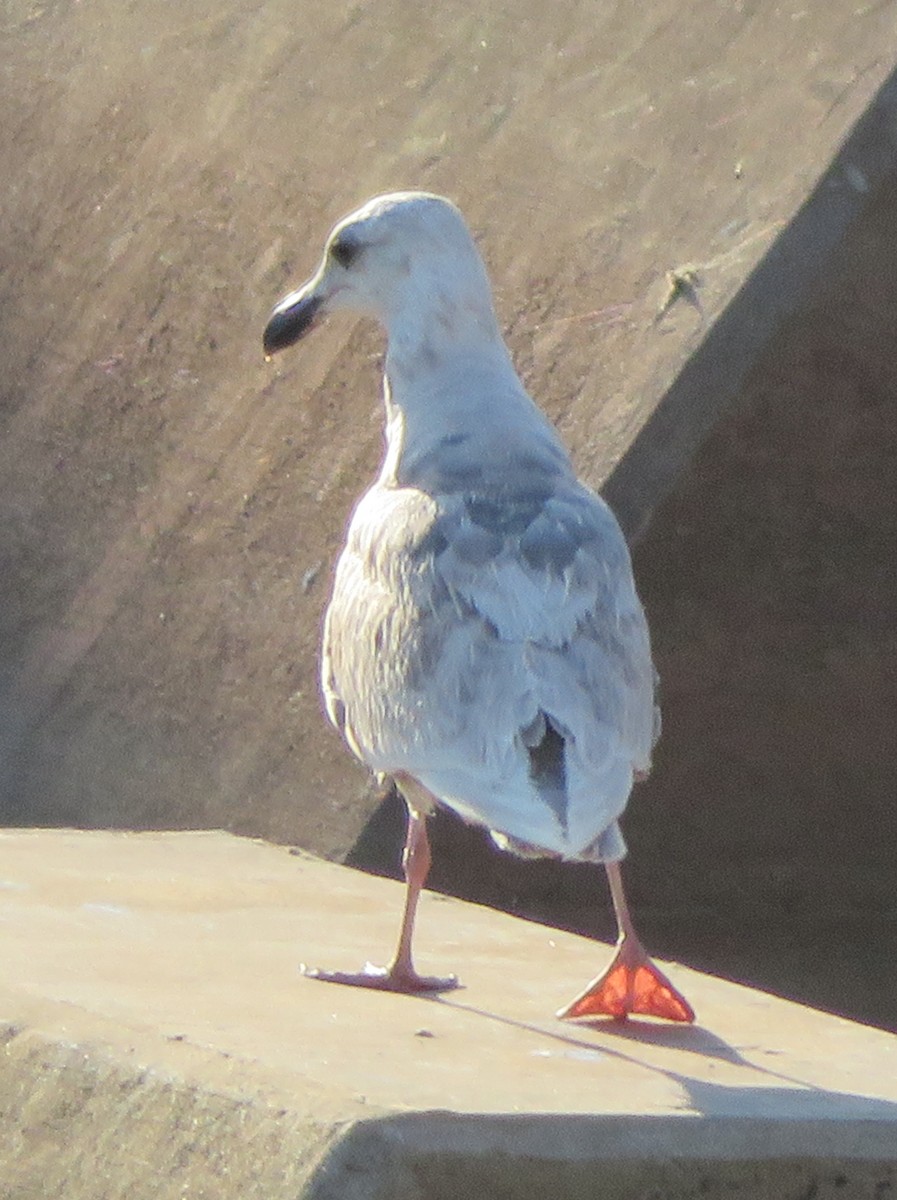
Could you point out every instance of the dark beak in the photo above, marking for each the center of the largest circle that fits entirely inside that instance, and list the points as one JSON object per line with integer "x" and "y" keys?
{"x": 291, "y": 319}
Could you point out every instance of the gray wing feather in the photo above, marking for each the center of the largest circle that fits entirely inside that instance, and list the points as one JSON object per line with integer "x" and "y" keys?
{"x": 457, "y": 622}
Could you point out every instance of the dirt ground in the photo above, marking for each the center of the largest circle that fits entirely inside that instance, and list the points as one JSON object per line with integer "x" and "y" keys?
{"x": 170, "y": 505}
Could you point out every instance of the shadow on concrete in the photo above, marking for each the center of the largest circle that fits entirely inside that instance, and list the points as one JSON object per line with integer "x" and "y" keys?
{"x": 769, "y": 607}
{"x": 797, "y": 1099}
{"x": 779, "y": 286}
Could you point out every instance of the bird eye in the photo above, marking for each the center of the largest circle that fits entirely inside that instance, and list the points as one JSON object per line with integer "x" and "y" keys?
{"x": 344, "y": 251}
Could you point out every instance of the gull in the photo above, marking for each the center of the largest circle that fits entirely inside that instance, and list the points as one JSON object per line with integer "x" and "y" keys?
{"x": 484, "y": 646}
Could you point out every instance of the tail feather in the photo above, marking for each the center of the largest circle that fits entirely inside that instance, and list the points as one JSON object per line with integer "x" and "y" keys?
{"x": 546, "y": 747}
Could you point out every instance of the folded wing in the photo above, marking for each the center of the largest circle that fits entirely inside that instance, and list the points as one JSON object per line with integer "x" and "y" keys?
{"x": 493, "y": 646}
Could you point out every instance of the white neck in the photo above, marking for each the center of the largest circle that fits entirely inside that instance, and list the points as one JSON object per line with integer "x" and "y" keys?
{"x": 454, "y": 401}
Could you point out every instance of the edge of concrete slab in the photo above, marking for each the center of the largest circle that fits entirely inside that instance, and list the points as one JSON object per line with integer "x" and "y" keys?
{"x": 443, "y": 1155}
{"x": 84, "y": 1119}
{"x": 780, "y": 286}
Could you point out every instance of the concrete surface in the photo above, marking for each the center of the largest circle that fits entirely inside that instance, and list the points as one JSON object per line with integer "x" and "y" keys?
{"x": 171, "y": 504}
{"x": 159, "y": 1042}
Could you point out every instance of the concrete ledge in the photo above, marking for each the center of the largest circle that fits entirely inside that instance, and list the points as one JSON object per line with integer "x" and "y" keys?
{"x": 157, "y": 1042}
{"x": 444, "y": 1156}
{"x": 90, "y": 1118}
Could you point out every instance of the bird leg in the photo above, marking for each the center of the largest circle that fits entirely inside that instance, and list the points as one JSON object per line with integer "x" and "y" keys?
{"x": 400, "y": 975}
{"x": 631, "y": 983}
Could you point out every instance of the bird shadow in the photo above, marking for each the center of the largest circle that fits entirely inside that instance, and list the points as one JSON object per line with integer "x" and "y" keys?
{"x": 779, "y": 1095}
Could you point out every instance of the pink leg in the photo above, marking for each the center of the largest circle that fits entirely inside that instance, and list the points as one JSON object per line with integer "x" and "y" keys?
{"x": 400, "y": 975}
{"x": 631, "y": 983}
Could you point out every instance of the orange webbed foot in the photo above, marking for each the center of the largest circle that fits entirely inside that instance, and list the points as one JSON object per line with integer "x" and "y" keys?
{"x": 632, "y": 984}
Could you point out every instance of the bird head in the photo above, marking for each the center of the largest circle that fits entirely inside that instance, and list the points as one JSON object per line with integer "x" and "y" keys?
{"x": 398, "y": 256}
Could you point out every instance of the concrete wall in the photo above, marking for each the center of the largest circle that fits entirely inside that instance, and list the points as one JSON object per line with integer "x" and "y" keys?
{"x": 170, "y": 505}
